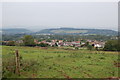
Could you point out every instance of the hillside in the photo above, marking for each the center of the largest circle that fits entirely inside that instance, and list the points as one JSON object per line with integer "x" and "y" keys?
{"x": 75, "y": 31}
{"x": 58, "y": 62}
{"x": 60, "y": 31}
{"x": 15, "y": 31}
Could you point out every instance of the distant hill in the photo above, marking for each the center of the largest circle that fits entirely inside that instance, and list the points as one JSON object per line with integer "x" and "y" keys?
{"x": 75, "y": 31}
{"x": 15, "y": 31}
{"x": 60, "y": 31}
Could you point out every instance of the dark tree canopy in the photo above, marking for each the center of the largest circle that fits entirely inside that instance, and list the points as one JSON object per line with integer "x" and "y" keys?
{"x": 112, "y": 45}
{"x": 43, "y": 45}
{"x": 28, "y": 40}
{"x": 11, "y": 43}
{"x": 89, "y": 47}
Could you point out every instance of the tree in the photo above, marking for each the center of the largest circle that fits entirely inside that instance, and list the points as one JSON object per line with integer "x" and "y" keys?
{"x": 48, "y": 40}
{"x": 89, "y": 47}
{"x": 76, "y": 48}
{"x": 112, "y": 45}
{"x": 28, "y": 40}
{"x": 87, "y": 44}
{"x": 56, "y": 44}
{"x": 43, "y": 45}
{"x": 11, "y": 43}
{"x": 3, "y": 43}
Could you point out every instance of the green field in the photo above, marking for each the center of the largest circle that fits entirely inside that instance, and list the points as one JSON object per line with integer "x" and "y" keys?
{"x": 69, "y": 31}
{"x": 59, "y": 63}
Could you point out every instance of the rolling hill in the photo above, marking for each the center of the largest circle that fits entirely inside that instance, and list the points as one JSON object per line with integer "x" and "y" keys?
{"x": 15, "y": 31}
{"x": 60, "y": 31}
{"x": 75, "y": 31}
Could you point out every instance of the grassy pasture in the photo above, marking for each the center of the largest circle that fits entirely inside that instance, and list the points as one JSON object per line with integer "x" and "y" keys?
{"x": 69, "y": 31}
{"x": 59, "y": 63}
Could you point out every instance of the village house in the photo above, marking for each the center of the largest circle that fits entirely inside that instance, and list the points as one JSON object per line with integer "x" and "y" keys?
{"x": 54, "y": 40}
{"x": 51, "y": 43}
{"x": 60, "y": 41}
{"x": 76, "y": 43}
{"x": 68, "y": 44}
{"x": 19, "y": 41}
{"x": 43, "y": 41}
{"x": 98, "y": 44}
{"x": 36, "y": 41}
{"x": 94, "y": 43}
{"x": 61, "y": 44}
{"x": 5, "y": 42}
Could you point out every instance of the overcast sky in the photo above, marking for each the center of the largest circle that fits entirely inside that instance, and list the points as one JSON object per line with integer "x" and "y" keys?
{"x": 42, "y": 15}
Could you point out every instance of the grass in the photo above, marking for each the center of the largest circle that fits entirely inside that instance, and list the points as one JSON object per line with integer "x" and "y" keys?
{"x": 69, "y": 31}
{"x": 60, "y": 63}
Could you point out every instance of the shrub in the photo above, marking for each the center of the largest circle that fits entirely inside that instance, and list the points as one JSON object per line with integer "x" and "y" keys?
{"x": 112, "y": 45}
{"x": 28, "y": 40}
{"x": 102, "y": 57}
{"x": 43, "y": 45}
{"x": 89, "y": 47}
{"x": 76, "y": 48}
{"x": 11, "y": 43}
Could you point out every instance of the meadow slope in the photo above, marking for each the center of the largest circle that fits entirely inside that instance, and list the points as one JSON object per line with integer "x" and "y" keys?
{"x": 59, "y": 63}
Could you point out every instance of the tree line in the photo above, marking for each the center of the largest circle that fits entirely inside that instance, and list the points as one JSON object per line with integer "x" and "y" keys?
{"x": 28, "y": 40}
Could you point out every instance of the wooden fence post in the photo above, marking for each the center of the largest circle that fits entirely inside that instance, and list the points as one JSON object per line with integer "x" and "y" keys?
{"x": 17, "y": 71}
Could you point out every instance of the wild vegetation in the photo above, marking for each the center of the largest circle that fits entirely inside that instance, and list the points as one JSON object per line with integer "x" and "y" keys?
{"x": 28, "y": 40}
{"x": 38, "y": 59}
{"x": 64, "y": 62}
{"x": 77, "y": 31}
{"x": 112, "y": 45}
{"x": 59, "y": 37}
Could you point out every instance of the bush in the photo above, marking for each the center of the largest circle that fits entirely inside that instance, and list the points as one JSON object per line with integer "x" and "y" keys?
{"x": 112, "y": 45}
{"x": 43, "y": 45}
{"x": 89, "y": 47}
{"x": 3, "y": 43}
{"x": 11, "y": 43}
{"x": 28, "y": 40}
{"x": 76, "y": 48}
